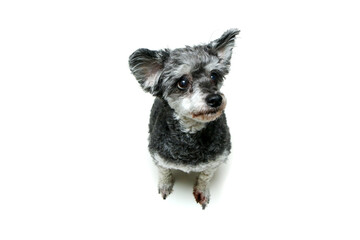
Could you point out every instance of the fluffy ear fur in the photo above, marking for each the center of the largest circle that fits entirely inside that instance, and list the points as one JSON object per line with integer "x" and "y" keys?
{"x": 224, "y": 45}
{"x": 147, "y": 65}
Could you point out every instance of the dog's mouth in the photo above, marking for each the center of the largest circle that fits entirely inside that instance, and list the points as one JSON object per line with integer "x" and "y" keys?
{"x": 205, "y": 113}
{"x": 209, "y": 114}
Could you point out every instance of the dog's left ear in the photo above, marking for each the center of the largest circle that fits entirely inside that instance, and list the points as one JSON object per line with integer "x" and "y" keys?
{"x": 147, "y": 65}
{"x": 224, "y": 45}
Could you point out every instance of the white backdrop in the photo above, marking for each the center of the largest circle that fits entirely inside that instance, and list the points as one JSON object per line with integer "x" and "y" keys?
{"x": 73, "y": 121}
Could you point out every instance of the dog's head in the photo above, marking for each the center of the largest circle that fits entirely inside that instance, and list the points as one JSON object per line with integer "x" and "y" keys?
{"x": 189, "y": 78}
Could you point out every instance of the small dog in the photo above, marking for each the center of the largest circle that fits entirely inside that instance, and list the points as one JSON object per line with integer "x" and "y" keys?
{"x": 188, "y": 129}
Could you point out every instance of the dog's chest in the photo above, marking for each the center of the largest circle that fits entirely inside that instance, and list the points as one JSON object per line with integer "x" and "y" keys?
{"x": 176, "y": 146}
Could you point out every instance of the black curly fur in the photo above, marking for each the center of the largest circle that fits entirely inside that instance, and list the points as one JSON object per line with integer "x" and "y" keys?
{"x": 167, "y": 139}
{"x": 158, "y": 72}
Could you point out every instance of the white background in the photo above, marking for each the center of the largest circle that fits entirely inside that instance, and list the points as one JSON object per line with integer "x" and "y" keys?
{"x": 73, "y": 133}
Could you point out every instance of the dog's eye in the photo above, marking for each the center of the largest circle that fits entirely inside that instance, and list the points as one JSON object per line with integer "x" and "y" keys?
{"x": 183, "y": 83}
{"x": 215, "y": 76}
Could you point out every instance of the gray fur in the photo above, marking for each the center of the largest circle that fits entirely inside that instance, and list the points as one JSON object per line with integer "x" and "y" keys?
{"x": 176, "y": 146}
{"x": 186, "y": 131}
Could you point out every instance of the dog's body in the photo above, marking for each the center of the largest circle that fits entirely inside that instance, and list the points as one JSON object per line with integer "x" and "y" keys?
{"x": 188, "y": 129}
{"x": 172, "y": 147}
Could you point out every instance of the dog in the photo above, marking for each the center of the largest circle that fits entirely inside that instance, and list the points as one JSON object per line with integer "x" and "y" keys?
{"x": 187, "y": 129}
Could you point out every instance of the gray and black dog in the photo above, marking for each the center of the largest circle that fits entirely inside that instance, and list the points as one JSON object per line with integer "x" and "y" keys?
{"x": 188, "y": 129}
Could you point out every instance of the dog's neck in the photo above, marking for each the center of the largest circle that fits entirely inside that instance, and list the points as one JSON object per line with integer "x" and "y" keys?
{"x": 188, "y": 125}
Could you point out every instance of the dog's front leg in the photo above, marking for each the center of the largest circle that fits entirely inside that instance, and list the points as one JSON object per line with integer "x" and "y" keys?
{"x": 166, "y": 182}
{"x": 201, "y": 188}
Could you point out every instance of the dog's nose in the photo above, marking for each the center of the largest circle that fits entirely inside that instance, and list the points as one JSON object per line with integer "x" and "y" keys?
{"x": 213, "y": 100}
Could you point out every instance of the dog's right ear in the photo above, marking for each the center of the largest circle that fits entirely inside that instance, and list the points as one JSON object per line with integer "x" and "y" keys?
{"x": 147, "y": 65}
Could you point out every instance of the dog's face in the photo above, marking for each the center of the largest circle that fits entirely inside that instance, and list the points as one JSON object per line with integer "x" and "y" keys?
{"x": 190, "y": 78}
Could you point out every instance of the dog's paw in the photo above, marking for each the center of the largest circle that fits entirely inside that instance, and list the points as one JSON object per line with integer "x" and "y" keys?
{"x": 165, "y": 189}
{"x": 202, "y": 197}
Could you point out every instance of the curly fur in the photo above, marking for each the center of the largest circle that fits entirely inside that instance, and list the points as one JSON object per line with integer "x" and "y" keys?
{"x": 169, "y": 141}
{"x": 186, "y": 131}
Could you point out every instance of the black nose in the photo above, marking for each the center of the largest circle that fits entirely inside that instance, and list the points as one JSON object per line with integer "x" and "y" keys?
{"x": 213, "y": 100}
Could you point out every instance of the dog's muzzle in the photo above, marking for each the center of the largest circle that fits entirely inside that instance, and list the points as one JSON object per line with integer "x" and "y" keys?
{"x": 216, "y": 103}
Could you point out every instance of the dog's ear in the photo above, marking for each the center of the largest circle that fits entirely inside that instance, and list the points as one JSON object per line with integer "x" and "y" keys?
{"x": 224, "y": 45}
{"x": 147, "y": 65}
